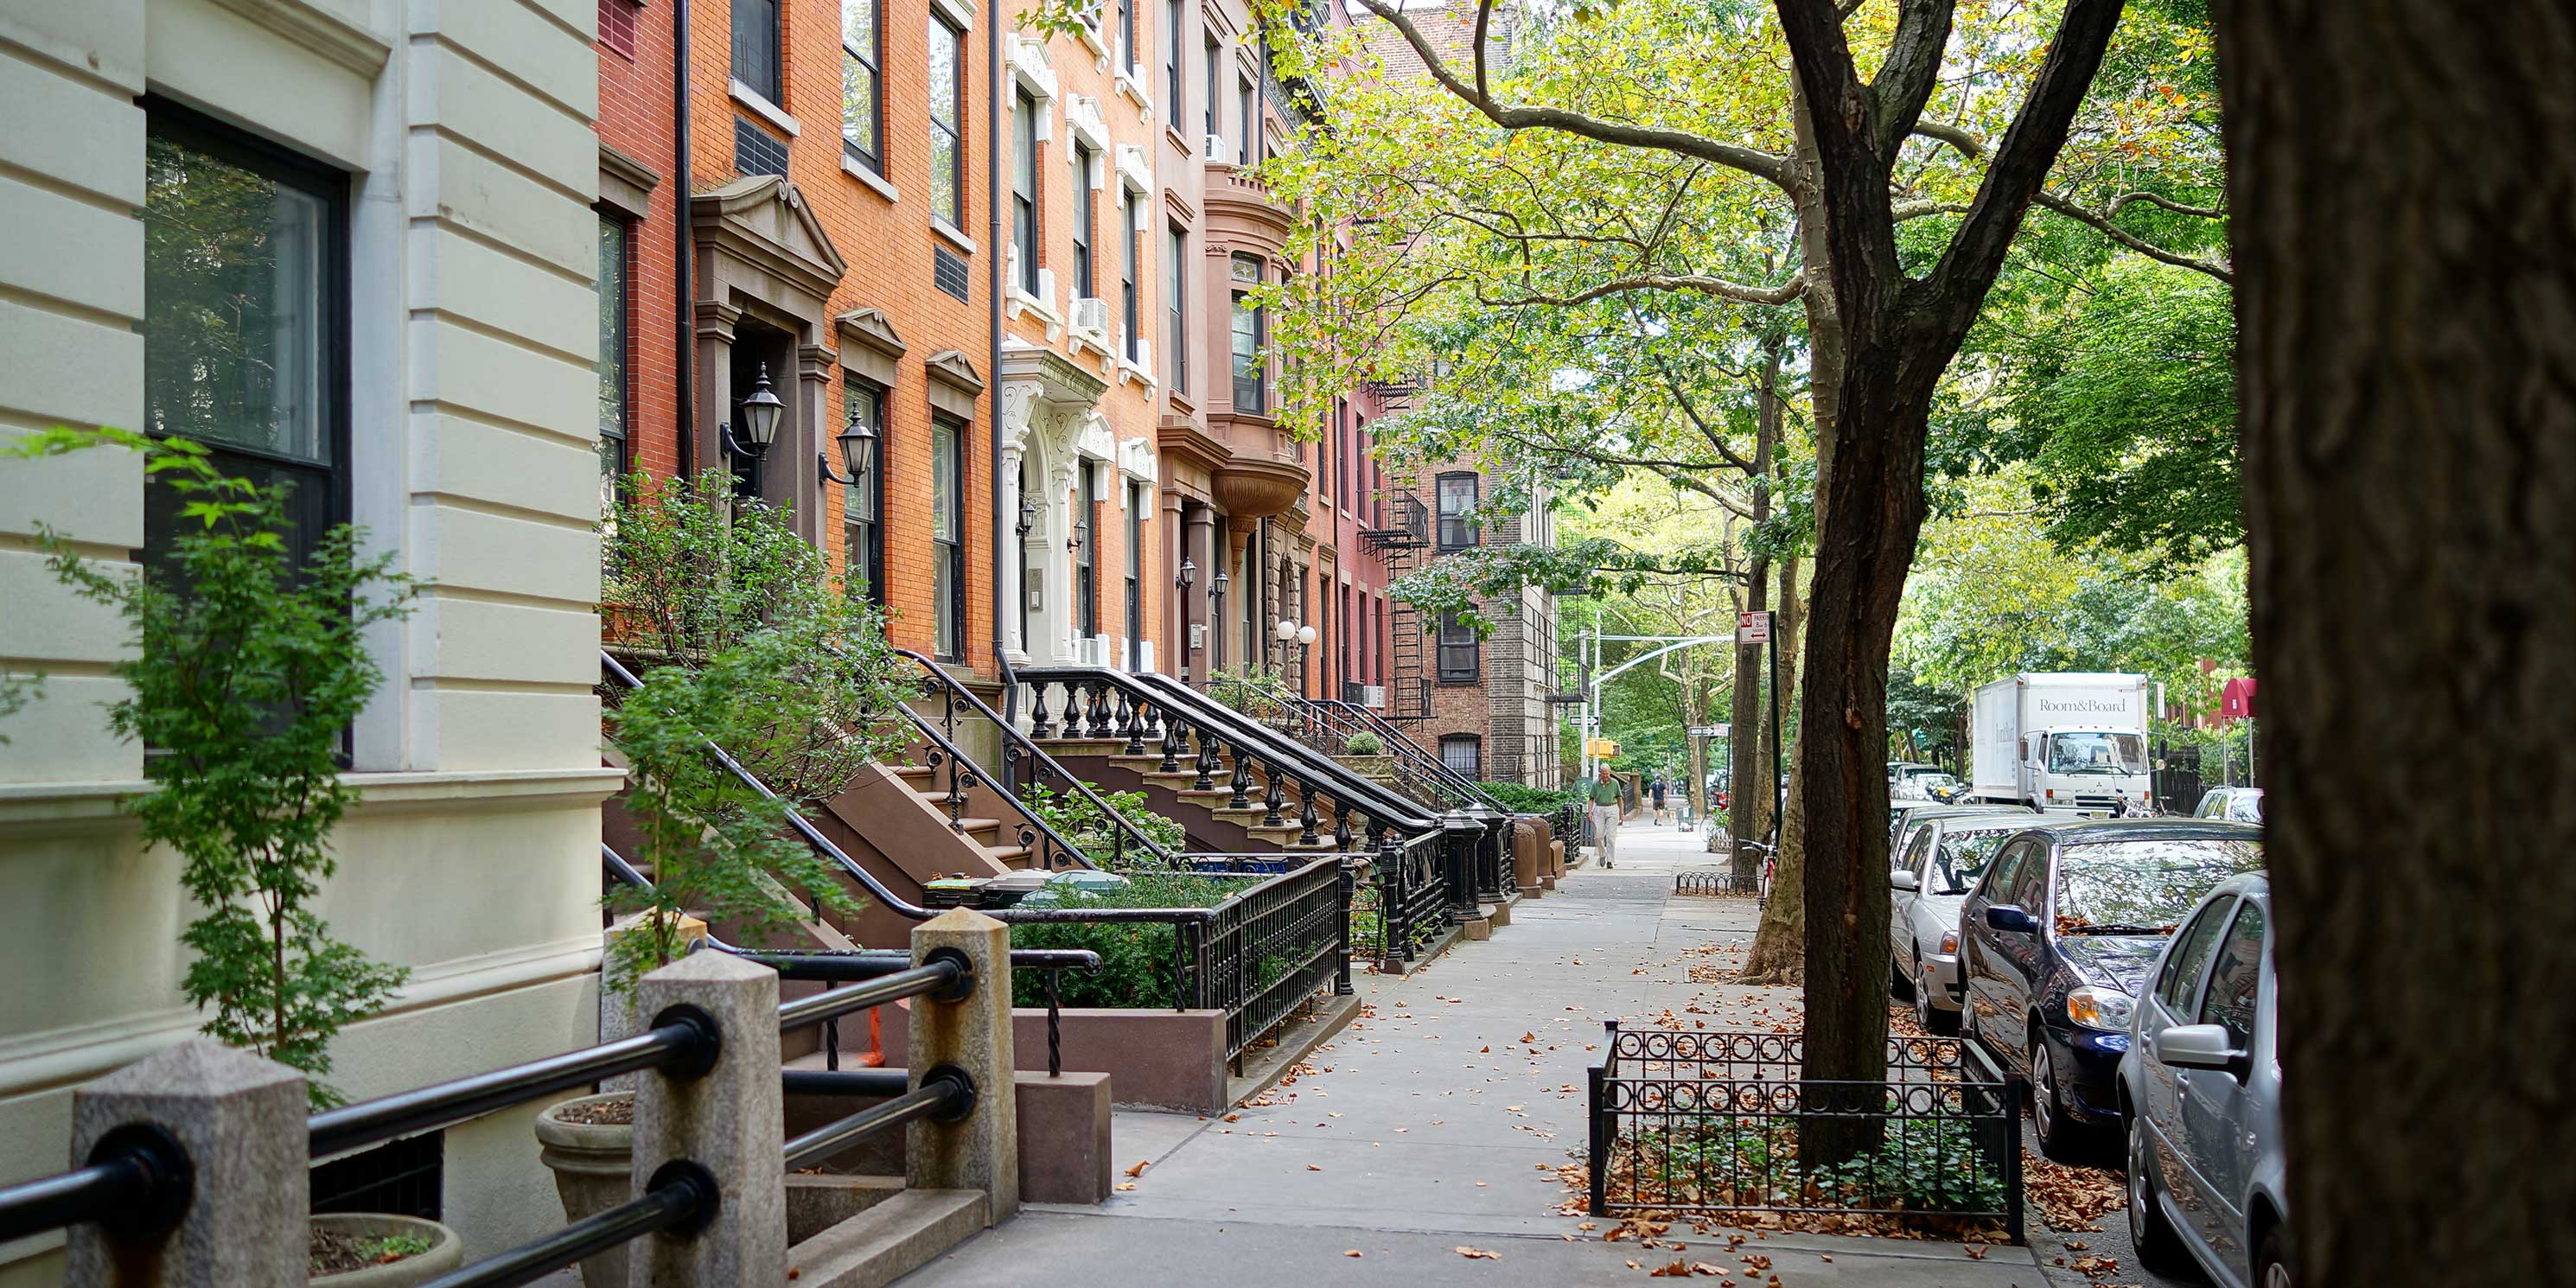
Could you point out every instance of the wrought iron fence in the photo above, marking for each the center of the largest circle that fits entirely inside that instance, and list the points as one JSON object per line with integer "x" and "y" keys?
{"x": 1271, "y": 948}
{"x": 1723, "y": 1122}
{"x": 1413, "y": 897}
{"x": 1716, "y": 881}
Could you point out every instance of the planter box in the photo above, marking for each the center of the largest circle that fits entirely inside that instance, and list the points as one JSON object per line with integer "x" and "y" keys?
{"x": 1157, "y": 1059}
{"x": 446, "y": 1251}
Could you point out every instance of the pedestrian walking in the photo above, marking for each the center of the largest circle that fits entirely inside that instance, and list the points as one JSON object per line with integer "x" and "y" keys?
{"x": 1656, "y": 790}
{"x": 1605, "y": 817}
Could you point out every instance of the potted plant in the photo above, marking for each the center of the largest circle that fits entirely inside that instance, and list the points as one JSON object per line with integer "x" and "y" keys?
{"x": 380, "y": 1250}
{"x": 246, "y": 665}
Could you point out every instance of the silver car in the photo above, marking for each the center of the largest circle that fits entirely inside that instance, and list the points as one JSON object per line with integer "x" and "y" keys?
{"x": 1941, "y": 860}
{"x": 2200, "y": 1089}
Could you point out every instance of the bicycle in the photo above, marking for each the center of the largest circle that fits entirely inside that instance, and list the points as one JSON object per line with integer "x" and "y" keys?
{"x": 1770, "y": 862}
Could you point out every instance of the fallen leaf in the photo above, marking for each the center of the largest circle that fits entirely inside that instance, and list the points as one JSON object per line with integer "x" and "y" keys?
{"x": 1353, "y": 1252}
{"x": 1126, "y": 1185}
{"x": 1139, "y": 1168}
{"x": 1478, "y": 1254}
{"x": 1312, "y": 1168}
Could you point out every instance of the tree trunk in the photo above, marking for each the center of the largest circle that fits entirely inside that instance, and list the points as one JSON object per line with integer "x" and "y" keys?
{"x": 1748, "y": 789}
{"x": 2406, "y": 298}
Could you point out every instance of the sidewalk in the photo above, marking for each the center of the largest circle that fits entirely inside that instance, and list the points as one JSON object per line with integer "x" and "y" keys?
{"x": 1439, "y": 1120}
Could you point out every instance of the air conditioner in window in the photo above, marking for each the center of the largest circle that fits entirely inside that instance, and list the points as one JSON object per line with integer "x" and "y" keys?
{"x": 1366, "y": 695}
{"x": 1091, "y": 316}
{"x": 1217, "y": 150}
{"x": 1096, "y": 650}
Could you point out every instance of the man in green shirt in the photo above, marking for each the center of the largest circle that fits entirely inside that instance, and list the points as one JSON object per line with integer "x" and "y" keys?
{"x": 1605, "y": 816}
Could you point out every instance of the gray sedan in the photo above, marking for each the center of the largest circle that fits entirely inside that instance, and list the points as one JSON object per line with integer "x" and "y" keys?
{"x": 2200, "y": 1088}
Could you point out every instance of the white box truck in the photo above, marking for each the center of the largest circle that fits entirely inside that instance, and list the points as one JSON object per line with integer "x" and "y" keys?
{"x": 2067, "y": 742}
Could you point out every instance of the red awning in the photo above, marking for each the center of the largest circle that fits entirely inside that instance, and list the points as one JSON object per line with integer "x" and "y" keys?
{"x": 2236, "y": 700}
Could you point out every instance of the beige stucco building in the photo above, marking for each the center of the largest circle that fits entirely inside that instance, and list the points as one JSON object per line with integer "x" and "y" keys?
{"x": 415, "y": 181}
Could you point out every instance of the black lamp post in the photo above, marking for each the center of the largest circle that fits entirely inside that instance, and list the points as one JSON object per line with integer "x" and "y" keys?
{"x": 758, "y": 429}
{"x": 1216, "y": 618}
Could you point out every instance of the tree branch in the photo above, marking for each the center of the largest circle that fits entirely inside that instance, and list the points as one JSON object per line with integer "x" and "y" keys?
{"x": 2021, "y": 162}
{"x": 1513, "y": 116}
{"x": 1705, "y": 285}
{"x": 1970, "y": 146}
{"x": 1912, "y": 68}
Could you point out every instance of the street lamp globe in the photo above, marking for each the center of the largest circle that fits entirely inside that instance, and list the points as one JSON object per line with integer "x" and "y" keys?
{"x": 760, "y": 414}
{"x": 1286, "y": 630}
{"x": 1305, "y": 634}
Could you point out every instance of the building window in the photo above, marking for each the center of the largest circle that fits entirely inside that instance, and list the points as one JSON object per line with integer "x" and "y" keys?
{"x": 947, "y": 117}
{"x": 617, "y": 27}
{"x": 1458, "y": 651}
{"x": 1172, "y": 59}
{"x": 1249, "y": 328}
{"x": 1024, "y": 190}
{"x": 1463, "y": 754}
{"x": 863, "y": 501}
{"x": 1215, "y": 128}
{"x": 245, "y": 320}
{"x": 1457, "y": 498}
{"x": 1176, "y": 342}
{"x": 1127, "y": 35}
{"x": 1138, "y": 497}
{"x": 1247, "y": 119}
{"x": 615, "y": 295}
{"x": 1085, "y": 285}
{"x": 1086, "y": 545}
{"x": 948, "y": 536}
{"x": 1132, "y": 217}
{"x": 755, "y": 47}
{"x": 862, "y": 83}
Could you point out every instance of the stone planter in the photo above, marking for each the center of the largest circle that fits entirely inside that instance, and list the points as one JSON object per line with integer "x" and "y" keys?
{"x": 594, "y": 1167}
{"x": 446, "y": 1251}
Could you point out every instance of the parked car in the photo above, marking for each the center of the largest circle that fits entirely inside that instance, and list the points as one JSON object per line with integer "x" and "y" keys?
{"x": 2056, "y": 938}
{"x": 1904, "y": 814}
{"x": 1932, "y": 874}
{"x": 2201, "y": 1090}
{"x": 2235, "y": 804}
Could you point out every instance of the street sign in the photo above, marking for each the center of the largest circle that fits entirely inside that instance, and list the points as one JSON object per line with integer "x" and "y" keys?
{"x": 1753, "y": 628}
{"x": 1708, "y": 731}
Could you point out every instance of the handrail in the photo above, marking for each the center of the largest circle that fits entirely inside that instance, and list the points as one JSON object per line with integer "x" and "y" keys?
{"x": 137, "y": 1180}
{"x": 1380, "y": 805}
{"x": 796, "y": 821}
{"x": 945, "y": 1093}
{"x": 1320, "y": 714}
{"x": 1394, "y": 738}
{"x": 681, "y": 1196}
{"x": 681, "y": 1038}
{"x": 939, "y": 975}
{"x": 1012, "y": 737}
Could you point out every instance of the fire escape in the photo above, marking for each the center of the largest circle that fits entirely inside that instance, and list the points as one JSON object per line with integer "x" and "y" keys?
{"x": 1407, "y": 530}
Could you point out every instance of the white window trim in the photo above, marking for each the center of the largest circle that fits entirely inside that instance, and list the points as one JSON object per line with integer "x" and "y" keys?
{"x": 956, "y": 236}
{"x": 761, "y": 107}
{"x": 959, "y": 12}
{"x": 858, "y": 170}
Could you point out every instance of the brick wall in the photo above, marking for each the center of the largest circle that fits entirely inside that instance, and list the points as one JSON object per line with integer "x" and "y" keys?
{"x": 635, "y": 97}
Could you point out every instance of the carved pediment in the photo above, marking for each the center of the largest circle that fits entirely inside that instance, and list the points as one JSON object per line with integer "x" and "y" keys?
{"x": 765, "y": 221}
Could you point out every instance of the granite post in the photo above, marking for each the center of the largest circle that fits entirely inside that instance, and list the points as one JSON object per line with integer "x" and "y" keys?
{"x": 972, "y": 1036}
{"x": 730, "y": 1120}
{"x": 240, "y": 1120}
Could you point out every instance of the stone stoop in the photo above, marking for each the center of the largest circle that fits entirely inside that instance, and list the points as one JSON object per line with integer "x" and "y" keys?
{"x": 888, "y": 1240}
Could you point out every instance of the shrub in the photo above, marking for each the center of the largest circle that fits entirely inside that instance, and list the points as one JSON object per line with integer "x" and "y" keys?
{"x": 1521, "y": 799}
{"x": 1363, "y": 743}
{"x": 1084, "y": 824}
{"x": 247, "y": 666}
{"x": 1135, "y": 957}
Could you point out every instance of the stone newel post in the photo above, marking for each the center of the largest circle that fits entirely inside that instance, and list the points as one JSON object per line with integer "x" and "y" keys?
{"x": 729, "y": 1120}
{"x": 973, "y": 1036}
{"x": 241, "y": 1120}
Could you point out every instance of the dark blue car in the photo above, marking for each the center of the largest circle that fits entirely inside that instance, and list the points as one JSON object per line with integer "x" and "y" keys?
{"x": 2055, "y": 941}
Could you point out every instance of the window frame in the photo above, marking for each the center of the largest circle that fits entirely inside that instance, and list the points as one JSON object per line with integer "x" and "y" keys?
{"x": 1086, "y": 233}
{"x": 1474, "y": 669}
{"x": 1465, "y": 519}
{"x": 1172, "y": 56}
{"x": 1474, "y": 744}
{"x": 948, "y": 554}
{"x": 947, "y": 34}
{"x": 1127, "y": 36}
{"x": 617, "y": 330}
{"x": 1138, "y": 497}
{"x": 2218, "y": 915}
{"x": 873, "y": 59}
{"x": 864, "y": 552}
{"x": 772, "y": 87}
{"x": 1215, "y": 69}
{"x": 1176, "y": 284}
{"x": 1024, "y": 187}
{"x": 1086, "y": 556}
{"x": 1131, "y": 213}
{"x": 1246, "y": 107}
{"x": 335, "y": 316}
{"x": 1250, "y": 367}
{"x": 2219, "y": 959}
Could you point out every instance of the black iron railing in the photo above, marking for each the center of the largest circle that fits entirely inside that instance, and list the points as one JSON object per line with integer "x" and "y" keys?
{"x": 137, "y": 1183}
{"x": 1154, "y": 714}
{"x": 1026, "y": 764}
{"x": 1724, "y": 1122}
{"x": 1414, "y": 898}
{"x": 1272, "y": 947}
